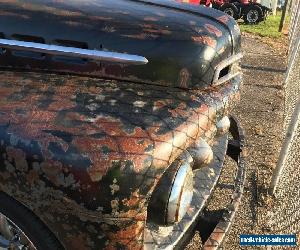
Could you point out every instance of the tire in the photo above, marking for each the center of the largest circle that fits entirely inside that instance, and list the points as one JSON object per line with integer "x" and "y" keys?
{"x": 253, "y": 14}
{"x": 230, "y": 9}
{"x": 18, "y": 216}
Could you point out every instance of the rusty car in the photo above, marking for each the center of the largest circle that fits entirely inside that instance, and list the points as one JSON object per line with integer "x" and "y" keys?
{"x": 115, "y": 118}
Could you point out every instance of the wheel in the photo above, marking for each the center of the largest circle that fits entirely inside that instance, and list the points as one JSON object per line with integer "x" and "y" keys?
{"x": 230, "y": 9}
{"x": 21, "y": 230}
{"x": 253, "y": 14}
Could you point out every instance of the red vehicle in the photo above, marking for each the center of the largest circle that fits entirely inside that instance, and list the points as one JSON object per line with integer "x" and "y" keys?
{"x": 251, "y": 11}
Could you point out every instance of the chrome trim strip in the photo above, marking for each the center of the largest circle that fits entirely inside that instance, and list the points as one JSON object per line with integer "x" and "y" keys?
{"x": 73, "y": 52}
{"x": 227, "y": 62}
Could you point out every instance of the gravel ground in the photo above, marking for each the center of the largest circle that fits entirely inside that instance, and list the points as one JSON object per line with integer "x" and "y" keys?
{"x": 261, "y": 115}
{"x": 284, "y": 218}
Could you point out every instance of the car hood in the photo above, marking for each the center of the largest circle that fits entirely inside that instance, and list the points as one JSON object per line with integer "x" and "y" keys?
{"x": 182, "y": 43}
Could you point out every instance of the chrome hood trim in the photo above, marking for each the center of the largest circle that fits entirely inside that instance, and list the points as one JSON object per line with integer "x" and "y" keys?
{"x": 73, "y": 52}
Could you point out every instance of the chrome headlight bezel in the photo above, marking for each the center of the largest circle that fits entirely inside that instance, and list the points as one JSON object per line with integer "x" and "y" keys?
{"x": 173, "y": 194}
{"x": 181, "y": 194}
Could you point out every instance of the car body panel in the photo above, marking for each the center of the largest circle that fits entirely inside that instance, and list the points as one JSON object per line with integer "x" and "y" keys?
{"x": 94, "y": 150}
{"x": 83, "y": 143}
{"x": 183, "y": 44}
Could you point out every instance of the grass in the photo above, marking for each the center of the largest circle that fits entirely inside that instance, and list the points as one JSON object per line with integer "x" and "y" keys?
{"x": 268, "y": 28}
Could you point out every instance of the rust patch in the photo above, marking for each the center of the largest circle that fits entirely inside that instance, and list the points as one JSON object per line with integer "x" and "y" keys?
{"x": 205, "y": 40}
{"x": 212, "y": 29}
{"x": 184, "y": 76}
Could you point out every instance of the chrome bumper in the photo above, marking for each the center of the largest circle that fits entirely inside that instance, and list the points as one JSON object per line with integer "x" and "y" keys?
{"x": 236, "y": 152}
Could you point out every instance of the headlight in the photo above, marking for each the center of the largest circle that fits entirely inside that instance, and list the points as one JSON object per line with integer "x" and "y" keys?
{"x": 173, "y": 194}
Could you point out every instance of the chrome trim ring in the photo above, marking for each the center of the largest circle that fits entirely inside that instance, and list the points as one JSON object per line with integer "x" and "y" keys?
{"x": 73, "y": 52}
{"x": 180, "y": 198}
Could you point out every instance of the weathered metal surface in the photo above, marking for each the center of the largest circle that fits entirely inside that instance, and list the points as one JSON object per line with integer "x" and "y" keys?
{"x": 85, "y": 154}
{"x": 182, "y": 43}
{"x": 205, "y": 180}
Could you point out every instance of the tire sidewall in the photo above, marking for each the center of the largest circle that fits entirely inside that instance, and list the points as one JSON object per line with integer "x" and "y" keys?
{"x": 28, "y": 223}
{"x": 259, "y": 12}
{"x": 232, "y": 7}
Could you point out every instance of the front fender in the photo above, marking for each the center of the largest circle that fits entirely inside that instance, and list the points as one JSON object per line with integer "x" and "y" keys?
{"x": 85, "y": 154}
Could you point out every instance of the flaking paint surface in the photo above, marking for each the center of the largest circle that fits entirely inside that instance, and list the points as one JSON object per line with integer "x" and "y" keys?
{"x": 85, "y": 154}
